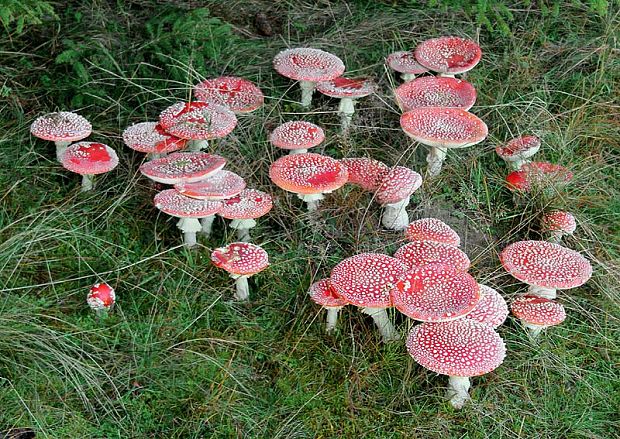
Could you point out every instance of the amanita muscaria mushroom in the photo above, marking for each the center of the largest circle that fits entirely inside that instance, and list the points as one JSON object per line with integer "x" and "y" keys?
{"x": 441, "y": 129}
{"x": 460, "y": 349}
{"x": 297, "y": 136}
{"x": 101, "y": 298}
{"x": 404, "y": 62}
{"x": 421, "y": 253}
{"x": 244, "y": 208}
{"x": 559, "y": 224}
{"x": 545, "y": 267}
{"x": 348, "y": 90}
{"x": 432, "y": 229}
{"x": 241, "y": 260}
{"x": 181, "y": 167}
{"x": 150, "y": 137}
{"x": 238, "y": 94}
{"x": 323, "y": 294}
{"x": 365, "y": 172}
{"x": 309, "y": 176}
{"x": 394, "y": 193}
{"x": 308, "y": 66}
{"x": 62, "y": 128}
{"x": 537, "y": 175}
{"x": 537, "y": 313}
{"x": 448, "y": 56}
{"x": 435, "y": 91}
{"x": 518, "y": 151}
{"x": 491, "y": 309}
{"x": 366, "y": 280}
{"x": 89, "y": 159}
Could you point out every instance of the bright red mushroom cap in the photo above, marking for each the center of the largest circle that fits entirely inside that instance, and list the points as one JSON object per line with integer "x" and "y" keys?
{"x": 62, "y": 126}
{"x": 397, "y": 184}
{"x": 432, "y": 229}
{"x": 421, "y": 253}
{"x": 461, "y": 348}
{"x": 537, "y": 174}
{"x": 101, "y": 296}
{"x": 176, "y": 204}
{"x": 323, "y": 294}
{"x": 435, "y": 293}
{"x": 241, "y": 258}
{"x": 538, "y": 310}
{"x": 308, "y": 173}
{"x": 435, "y": 91}
{"x": 491, "y": 309}
{"x": 367, "y": 279}
{"x": 559, "y": 221}
{"x": 405, "y": 62}
{"x": 89, "y": 158}
{"x": 151, "y": 138}
{"x": 306, "y": 64}
{"x": 238, "y": 94}
{"x": 444, "y": 127}
{"x": 198, "y": 120}
{"x": 521, "y": 147}
{"x": 297, "y": 134}
{"x": 248, "y": 204}
{"x": 183, "y": 167}
{"x": 342, "y": 87}
{"x": 544, "y": 264}
{"x": 220, "y": 185}
{"x": 450, "y": 55}
{"x": 364, "y": 172}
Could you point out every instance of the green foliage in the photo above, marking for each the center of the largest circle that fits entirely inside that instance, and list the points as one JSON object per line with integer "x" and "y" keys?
{"x": 24, "y": 13}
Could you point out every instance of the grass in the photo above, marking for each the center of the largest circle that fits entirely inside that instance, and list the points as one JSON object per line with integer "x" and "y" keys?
{"x": 178, "y": 358}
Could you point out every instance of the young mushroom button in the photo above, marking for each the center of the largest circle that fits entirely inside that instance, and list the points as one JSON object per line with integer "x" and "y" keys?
{"x": 297, "y": 136}
{"x": 323, "y": 294}
{"x": 537, "y": 313}
{"x": 433, "y": 91}
{"x": 237, "y": 94}
{"x": 537, "y": 175}
{"x": 62, "y": 128}
{"x": 243, "y": 209}
{"x": 241, "y": 260}
{"x": 394, "y": 192}
{"x": 518, "y": 151}
{"x": 89, "y": 159}
{"x": 432, "y": 229}
{"x": 448, "y": 55}
{"x": 404, "y": 62}
{"x": 348, "y": 90}
{"x": 101, "y": 298}
{"x": 559, "y": 224}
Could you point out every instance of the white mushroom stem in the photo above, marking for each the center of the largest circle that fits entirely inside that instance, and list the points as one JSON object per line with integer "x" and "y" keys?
{"x": 206, "y": 225}
{"x": 307, "y": 90}
{"x": 406, "y": 77}
{"x": 547, "y": 293}
{"x": 458, "y": 391}
{"x": 556, "y": 236}
{"x": 445, "y": 75}
{"x": 155, "y": 155}
{"x": 243, "y": 227}
{"x": 516, "y": 163}
{"x": 435, "y": 159}
{"x": 197, "y": 145}
{"x": 243, "y": 289}
{"x": 533, "y": 330}
{"x": 395, "y": 215}
{"x": 332, "y": 317}
{"x": 346, "y": 109}
{"x": 297, "y": 151}
{"x": 88, "y": 182}
{"x": 61, "y": 147}
{"x": 189, "y": 227}
{"x": 381, "y": 319}
{"x": 312, "y": 200}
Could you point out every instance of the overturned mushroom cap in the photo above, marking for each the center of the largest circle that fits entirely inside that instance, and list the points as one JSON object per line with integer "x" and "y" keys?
{"x": 238, "y": 94}
{"x": 183, "y": 167}
{"x": 101, "y": 296}
{"x": 432, "y": 229}
{"x": 323, "y": 294}
{"x": 240, "y": 258}
{"x": 198, "y": 120}
{"x": 62, "y": 126}
{"x": 405, "y": 62}
{"x": 150, "y": 137}
{"x": 449, "y": 55}
{"x": 217, "y": 186}
{"x": 342, "y": 87}
{"x": 175, "y": 204}
{"x": 397, "y": 184}
{"x": 491, "y": 309}
{"x": 559, "y": 221}
{"x": 364, "y": 172}
{"x": 538, "y": 310}
{"x": 89, "y": 158}
{"x": 421, "y": 253}
{"x": 297, "y": 134}
{"x": 537, "y": 174}
{"x": 248, "y": 204}
{"x": 520, "y": 148}
{"x": 435, "y": 91}
{"x": 308, "y": 173}
{"x": 306, "y": 64}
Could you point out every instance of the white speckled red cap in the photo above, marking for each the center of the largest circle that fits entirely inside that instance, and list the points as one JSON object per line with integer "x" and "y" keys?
{"x": 544, "y": 264}
{"x": 101, "y": 296}
{"x": 236, "y": 93}
{"x": 559, "y": 221}
{"x": 183, "y": 167}
{"x": 306, "y": 64}
{"x": 405, "y": 62}
{"x": 217, "y": 186}
{"x": 444, "y": 127}
{"x": 435, "y": 293}
{"x": 176, "y": 204}
{"x": 89, "y": 158}
{"x": 323, "y": 294}
{"x": 249, "y": 204}
{"x": 198, "y": 120}
{"x": 420, "y": 253}
{"x": 461, "y": 348}
{"x": 367, "y": 279}
{"x": 241, "y": 258}
{"x": 364, "y": 172}
{"x": 297, "y": 134}
{"x": 342, "y": 87}
{"x": 491, "y": 309}
{"x": 62, "y": 126}
{"x": 308, "y": 173}
{"x": 537, "y": 174}
{"x": 450, "y": 55}
{"x": 397, "y": 184}
{"x": 538, "y": 310}
{"x": 151, "y": 138}
{"x": 520, "y": 148}
{"x": 432, "y": 229}
{"x": 435, "y": 91}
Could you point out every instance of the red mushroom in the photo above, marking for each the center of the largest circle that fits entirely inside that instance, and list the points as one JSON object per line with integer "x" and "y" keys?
{"x": 432, "y": 229}
{"x": 364, "y": 172}
{"x": 394, "y": 193}
{"x": 89, "y": 159}
{"x": 559, "y": 223}
{"x": 183, "y": 167}
{"x": 448, "y": 55}
{"x": 62, "y": 128}
{"x": 518, "y": 151}
{"x": 238, "y": 94}
{"x": 537, "y": 175}
{"x": 421, "y": 253}
{"x": 241, "y": 260}
{"x": 537, "y": 313}
{"x": 491, "y": 309}
{"x": 243, "y": 209}
{"x": 434, "y": 91}
{"x": 150, "y": 137}
{"x": 297, "y": 136}
{"x": 323, "y": 294}
{"x": 348, "y": 91}
{"x": 101, "y": 298}
{"x": 404, "y": 62}
{"x": 308, "y": 66}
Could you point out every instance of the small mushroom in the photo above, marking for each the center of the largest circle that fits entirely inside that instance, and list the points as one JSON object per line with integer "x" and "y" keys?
{"x": 323, "y": 294}
{"x": 559, "y": 224}
{"x": 421, "y": 253}
{"x": 518, "y": 151}
{"x": 150, "y": 137}
{"x": 537, "y": 313}
{"x": 404, "y": 62}
{"x": 365, "y": 172}
{"x": 62, "y": 128}
{"x": 435, "y": 91}
{"x": 394, "y": 193}
{"x": 432, "y": 229}
{"x": 537, "y": 175}
{"x": 297, "y": 136}
{"x": 101, "y": 299}
{"x": 348, "y": 91}
{"x": 448, "y": 56}
{"x": 89, "y": 159}
{"x": 243, "y": 209}
{"x": 241, "y": 260}
{"x": 237, "y": 94}
{"x": 183, "y": 167}
{"x": 491, "y": 309}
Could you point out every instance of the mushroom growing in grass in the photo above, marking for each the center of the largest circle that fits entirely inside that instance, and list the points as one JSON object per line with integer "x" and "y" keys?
{"x": 62, "y": 128}
{"x": 460, "y": 349}
{"x": 241, "y": 260}
{"x": 421, "y": 253}
{"x": 297, "y": 136}
{"x": 432, "y": 229}
{"x": 448, "y": 56}
{"x": 348, "y": 90}
{"x": 518, "y": 151}
{"x": 237, "y": 94}
{"x": 308, "y": 66}
{"x": 404, "y": 62}
{"x": 150, "y": 137}
{"x": 441, "y": 129}
{"x": 364, "y": 172}
{"x": 243, "y": 209}
{"x": 394, "y": 193}
{"x": 323, "y": 294}
{"x": 101, "y": 298}
{"x": 434, "y": 91}
{"x": 183, "y": 167}
{"x": 537, "y": 175}
{"x": 559, "y": 224}
{"x": 89, "y": 159}
{"x": 491, "y": 309}
{"x": 537, "y": 313}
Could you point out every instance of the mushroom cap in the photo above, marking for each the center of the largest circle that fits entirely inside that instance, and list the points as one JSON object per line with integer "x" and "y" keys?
{"x": 151, "y": 138}
{"x": 183, "y": 167}
{"x": 342, "y": 87}
{"x": 544, "y": 264}
{"x": 421, "y": 253}
{"x": 436, "y": 293}
{"x": 101, "y": 296}
{"x": 367, "y": 279}
{"x": 520, "y": 148}
{"x": 308, "y": 173}
{"x": 462, "y": 348}
{"x": 175, "y": 204}
{"x": 220, "y": 185}
{"x": 307, "y": 64}
{"x": 538, "y": 310}
{"x": 364, "y": 172}
{"x": 248, "y": 204}
{"x": 435, "y": 91}
{"x": 62, "y": 126}
{"x": 537, "y": 174}
{"x": 559, "y": 221}
{"x": 323, "y": 294}
{"x": 491, "y": 309}
{"x": 198, "y": 120}
{"x": 297, "y": 134}
{"x": 89, "y": 158}
{"x": 405, "y": 62}
{"x": 432, "y": 229}
{"x": 450, "y": 55}
{"x": 241, "y": 258}
{"x": 236, "y": 93}
{"x": 397, "y": 184}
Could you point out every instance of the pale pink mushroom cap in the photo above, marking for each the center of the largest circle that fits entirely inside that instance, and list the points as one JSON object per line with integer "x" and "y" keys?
{"x": 367, "y": 279}
{"x": 559, "y": 221}
{"x": 461, "y": 348}
{"x": 308, "y": 173}
{"x": 150, "y": 137}
{"x": 491, "y": 309}
{"x": 432, "y": 229}
{"x": 241, "y": 258}
{"x": 198, "y": 120}
{"x": 538, "y": 310}
{"x": 101, "y": 296}
{"x": 248, "y": 204}
{"x": 435, "y": 293}
{"x": 183, "y": 167}
{"x": 397, "y": 184}
{"x": 238, "y": 94}
{"x": 180, "y": 206}
{"x": 220, "y": 185}
{"x": 306, "y": 64}
{"x": 364, "y": 172}
{"x": 421, "y": 253}
{"x": 62, "y": 126}
{"x": 297, "y": 134}
{"x": 537, "y": 174}
{"x": 520, "y": 148}
{"x": 323, "y": 294}
{"x": 342, "y": 87}
{"x": 449, "y": 55}
{"x": 405, "y": 62}
{"x": 89, "y": 158}
{"x": 435, "y": 91}
{"x": 444, "y": 127}
{"x": 544, "y": 264}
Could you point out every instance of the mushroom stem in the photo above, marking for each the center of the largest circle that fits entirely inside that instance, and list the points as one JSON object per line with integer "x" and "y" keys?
{"x": 61, "y": 146}
{"x": 346, "y": 109}
{"x": 312, "y": 200}
{"x": 243, "y": 227}
{"x": 332, "y": 318}
{"x": 516, "y": 163}
{"x": 297, "y": 151}
{"x": 197, "y": 145}
{"x": 458, "y": 388}
{"x": 206, "y": 224}
{"x": 556, "y": 237}
{"x": 155, "y": 156}
{"x": 189, "y": 227}
{"x": 435, "y": 159}
{"x": 533, "y": 330}
{"x": 406, "y": 77}
{"x": 445, "y": 75}
{"x": 547, "y": 293}
{"x": 307, "y": 89}
{"x": 395, "y": 215}
{"x": 88, "y": 182}
{"x": 381, "y": 319}
{"x": 243, "y": 289}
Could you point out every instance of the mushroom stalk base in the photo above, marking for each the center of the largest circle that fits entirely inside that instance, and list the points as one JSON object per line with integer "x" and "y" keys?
{"x": 547, "y": 293}
{"x": 532, "y": 329}
{"x": 243, "y": 227}
{"x": 332, "y": 318}
{"x": 61, "y": 147}
{"x": 346, "y": 109}
{"x": 307, "y": 90}
{"x": 458, "y": 391}
{"x": 406, "y": 77}
{"x": 242, "y": 292}
{"x": 381, "y": 319}
{"x": 516, "y": 164}
{"x": 312, "y": 200}
{"x": 206, "y": 225}
{"x": 395, "y": 215}
{"x": 189, "y": 227}
{"x": 556, "y": 237}
{"x": 197, "y": 145}
{"x": 435, "y": 159}
{"x": 88, "y": 182}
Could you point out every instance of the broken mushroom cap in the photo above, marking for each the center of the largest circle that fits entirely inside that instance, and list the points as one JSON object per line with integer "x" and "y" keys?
{"x": 538, "y": 311}
{"x": 539, "y": 174}
{"x": 248, "y": 204}
{"x": 308, "y": 173}
{"x": 405, "y": 62}
{"x": 432, "y": 229}
{"x": 181, "y": 167}
{"x": 237, "y": 94}
{"x": 491, "y": 309}
{"x": 297, "y": 134}
{"x": 240, "y": 258}
{"x": 220, "y": 185}
{"x": 397, "y": 184}
{"x": 559, "y": 221}
{"x": 198, "y": 120}
{"x": 364, "y": 172}
{"x": 150, "y": 137}
{"x": 307, "y": 64}
{"x": 62, "y": 126}
{"x": 323, "y": 294}
{"x": 101, "y": 297}
{"x": 519, "y": 149}
{"x": 448, "y": 55}
{"x": 435, "y": 91}
{"x": 89, "y": 158}
{"x": 175, "y": 204}
{"x": 342, "y": 87}
{"x": 421, "y": 253}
